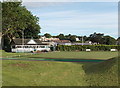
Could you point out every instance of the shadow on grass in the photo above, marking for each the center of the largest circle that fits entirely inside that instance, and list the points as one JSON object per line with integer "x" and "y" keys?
{"x": 100, "y": 67}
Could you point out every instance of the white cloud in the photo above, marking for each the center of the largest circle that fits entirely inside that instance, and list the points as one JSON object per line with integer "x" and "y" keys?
{"x": 79, "y": 23}
{"x": 78, "y": 20}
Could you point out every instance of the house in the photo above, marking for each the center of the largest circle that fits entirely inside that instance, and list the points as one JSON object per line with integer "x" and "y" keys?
{"x": 77, "y": 39}
{"x": 50, "y": 39}
{"x": 90, "y": 42}
{"x": 43, "y": 38}
{"x": 28, "y": 45}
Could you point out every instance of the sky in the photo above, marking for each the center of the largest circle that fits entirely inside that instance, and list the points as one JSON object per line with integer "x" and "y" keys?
{"x": 77, "y": 18}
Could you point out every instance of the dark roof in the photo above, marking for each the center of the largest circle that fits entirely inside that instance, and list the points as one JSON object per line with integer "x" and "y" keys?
{"x": 25, "y": 41}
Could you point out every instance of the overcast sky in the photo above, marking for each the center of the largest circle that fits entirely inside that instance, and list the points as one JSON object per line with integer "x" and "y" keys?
{"x": 79, "y": 18}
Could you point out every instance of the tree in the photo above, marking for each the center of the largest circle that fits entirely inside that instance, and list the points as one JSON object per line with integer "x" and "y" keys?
{"x": 85, "y": 38}
{"x": 61, "y": 37}
{"x": 96, "y": 37}
{"x": 73, "y": 38}
{"x": 67, "y": 37}
{"x": 100, "y": 38}
{"x": 17, "y": 20}
{"x": 47, "y": 35}
{"x": 118, "y": 41}
{"x": 108, "y": 40}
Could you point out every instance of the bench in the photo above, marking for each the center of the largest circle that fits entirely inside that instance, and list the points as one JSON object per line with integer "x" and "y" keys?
{"x": 113, "y": 49}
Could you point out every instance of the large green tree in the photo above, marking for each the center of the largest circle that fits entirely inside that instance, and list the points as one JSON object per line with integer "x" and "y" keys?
{"x": 101, "y": 39}
{"x": 108, "y": 40}
{"x": 96, "y": 37}
{"x": 17, "y": 21}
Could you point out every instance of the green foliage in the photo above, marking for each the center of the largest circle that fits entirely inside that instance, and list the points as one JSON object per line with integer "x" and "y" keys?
{"x": 101, "y": 39}
{"x": 72, "y": 38}
{"x": 96, "y": 37}
{"x": 118, "y": 41}
{"x": 18, "y": 21}
{"x": 61, "y": 37}
{"x": 6, "y": 44}
{"x": 84, "y": 47}
{"x": 47, "y": 35}
{"x": 108, "y": 40}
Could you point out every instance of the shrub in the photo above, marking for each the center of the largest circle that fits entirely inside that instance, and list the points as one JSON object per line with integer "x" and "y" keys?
{"x": 84, "y": 47}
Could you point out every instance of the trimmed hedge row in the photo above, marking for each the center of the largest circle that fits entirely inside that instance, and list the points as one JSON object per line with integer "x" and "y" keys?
{"x": 84, "y": 47}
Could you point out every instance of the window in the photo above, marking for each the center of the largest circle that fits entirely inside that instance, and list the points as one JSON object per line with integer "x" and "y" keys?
{"x": 42, "y": 46}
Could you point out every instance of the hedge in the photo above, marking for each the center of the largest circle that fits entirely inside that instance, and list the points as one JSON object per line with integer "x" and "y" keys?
{"x": 84, "y": 47}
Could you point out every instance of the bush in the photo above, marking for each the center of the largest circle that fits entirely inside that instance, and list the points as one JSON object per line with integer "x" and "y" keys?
{"x": 84, "y": 47}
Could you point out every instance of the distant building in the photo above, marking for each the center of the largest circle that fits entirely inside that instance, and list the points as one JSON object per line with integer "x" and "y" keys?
{"x": 90, "y": 42}
{"x": 43, "y": 38}
{"x": 28, "y": 45}
{"x": 62, "y": 42}
{"x": 77, "y": 39}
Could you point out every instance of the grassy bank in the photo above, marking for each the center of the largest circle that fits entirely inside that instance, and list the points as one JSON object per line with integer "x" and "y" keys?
{"x": 44, "y": 73}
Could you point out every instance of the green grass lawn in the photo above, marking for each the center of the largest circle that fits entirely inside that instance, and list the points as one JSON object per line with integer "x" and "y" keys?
{"x": 9, "y": 54}
{"x": 65, "y": 55}
{"x": 45, "y": 73}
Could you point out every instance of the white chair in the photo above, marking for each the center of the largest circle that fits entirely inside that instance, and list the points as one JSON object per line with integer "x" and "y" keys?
{"x": 88, "y": 50}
